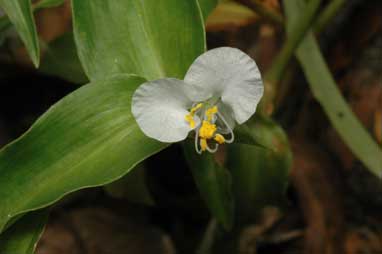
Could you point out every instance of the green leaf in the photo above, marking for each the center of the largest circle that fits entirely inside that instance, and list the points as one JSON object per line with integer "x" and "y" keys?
{"x": 89, "y": 138}
{"x": 5, "y": 23}
{"x": 326, "y": 92}
{"x": 245, "y": 135}
{"x": 260, "y": 176}
{"x": 150, "y": 38}
{"x": 207, "y": 6}
{"x": 23, "y": 236}
{"x": 20, "y": 14}
{"x": 61, "y": 59}
{"x": 214, "y": 184}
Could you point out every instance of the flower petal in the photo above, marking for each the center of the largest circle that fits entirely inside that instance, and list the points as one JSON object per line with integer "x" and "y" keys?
{"x": 160, "y": 107}
{"x": 230, "y": 74}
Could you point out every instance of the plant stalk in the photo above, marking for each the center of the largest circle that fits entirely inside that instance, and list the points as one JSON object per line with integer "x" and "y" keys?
{"x": 274, "y": 75}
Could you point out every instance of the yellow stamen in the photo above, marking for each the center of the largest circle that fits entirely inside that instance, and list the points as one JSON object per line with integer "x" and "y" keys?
{"x": 219, "y": 138}
{"x": 203, "y": 144}
{"x": 211, "y": 112}
{"x": 194, "y": 109}
{"x": 207, "y": 130}
{"x": 190, "y": 117}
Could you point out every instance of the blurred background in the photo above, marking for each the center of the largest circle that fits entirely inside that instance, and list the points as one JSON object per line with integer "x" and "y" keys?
{"x": 333, "y": 204}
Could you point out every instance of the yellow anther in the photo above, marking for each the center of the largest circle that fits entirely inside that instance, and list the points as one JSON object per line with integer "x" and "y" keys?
{"x": 219, "y": 138}
{"x": 190, "y": 119}
{"x": 194, "y": 109}
{"x": 203, "y": 144}
{"x": 207, "y": 130}
{"x": 211, "y": 112}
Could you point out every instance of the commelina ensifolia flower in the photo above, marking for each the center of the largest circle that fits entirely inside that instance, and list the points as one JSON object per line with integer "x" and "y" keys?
{"x": 221, "y": 88}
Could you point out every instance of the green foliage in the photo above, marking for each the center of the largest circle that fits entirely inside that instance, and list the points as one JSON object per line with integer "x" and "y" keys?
{"x": 305, "y": 19}
{"x": 5, "y": 22}
{"x": 260, "y": 175}
{"x": 21, "y": 238}
{"x": 20, "y": 14}
{"x": 214, "y": 184}
{"x": 328, "y": 95}
{"x": 150, "y": 38}
{"x": 61, "y": 60}
{"x": 89, "y": 138}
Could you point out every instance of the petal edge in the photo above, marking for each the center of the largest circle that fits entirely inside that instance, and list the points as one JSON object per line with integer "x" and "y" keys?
{"x": 160, "y": 107}
{"x": 230, "y": 74}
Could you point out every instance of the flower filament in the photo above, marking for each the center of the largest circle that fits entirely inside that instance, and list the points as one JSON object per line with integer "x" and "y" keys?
{"x": 208, "y": 129}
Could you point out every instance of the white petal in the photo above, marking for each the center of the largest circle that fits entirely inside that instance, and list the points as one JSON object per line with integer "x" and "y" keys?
{"x": 230, "y": 74}
{"x": 160, "y": 107}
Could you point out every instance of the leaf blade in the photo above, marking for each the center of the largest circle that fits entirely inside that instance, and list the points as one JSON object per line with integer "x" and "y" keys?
{"x": 139, "y": 43}
{"x": 20, "y": 14}
{"x": 89, "y": 138}
{"x": 22, "y": 237}
{"x": 61, "y": 60}
{"x": 260, "y": 175}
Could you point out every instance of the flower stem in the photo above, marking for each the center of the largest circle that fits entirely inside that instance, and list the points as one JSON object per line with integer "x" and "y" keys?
{"x": 319, "y": 25}
{"x": 327, "y": 14}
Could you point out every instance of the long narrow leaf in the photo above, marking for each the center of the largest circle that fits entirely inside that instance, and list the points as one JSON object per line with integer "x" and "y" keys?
{"x": 328, "y": 95}
{"x": 20, "y": 14}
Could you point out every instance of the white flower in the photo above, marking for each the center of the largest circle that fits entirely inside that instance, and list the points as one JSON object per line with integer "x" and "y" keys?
{"x": 222, "y": 86}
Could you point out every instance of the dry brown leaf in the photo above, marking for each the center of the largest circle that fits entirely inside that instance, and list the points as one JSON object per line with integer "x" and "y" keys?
{"x": 230, "y": 16}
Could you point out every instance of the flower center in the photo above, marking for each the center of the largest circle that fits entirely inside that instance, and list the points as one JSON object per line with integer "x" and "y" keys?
{"x": 207, "y": 131}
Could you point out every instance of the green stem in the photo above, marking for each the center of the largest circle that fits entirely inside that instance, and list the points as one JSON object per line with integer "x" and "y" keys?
{"x": 274, "y": 75}
{"x": 294, "y": 39}
{"x": 319, "y": 25}
{"x": 327, "y": 14}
